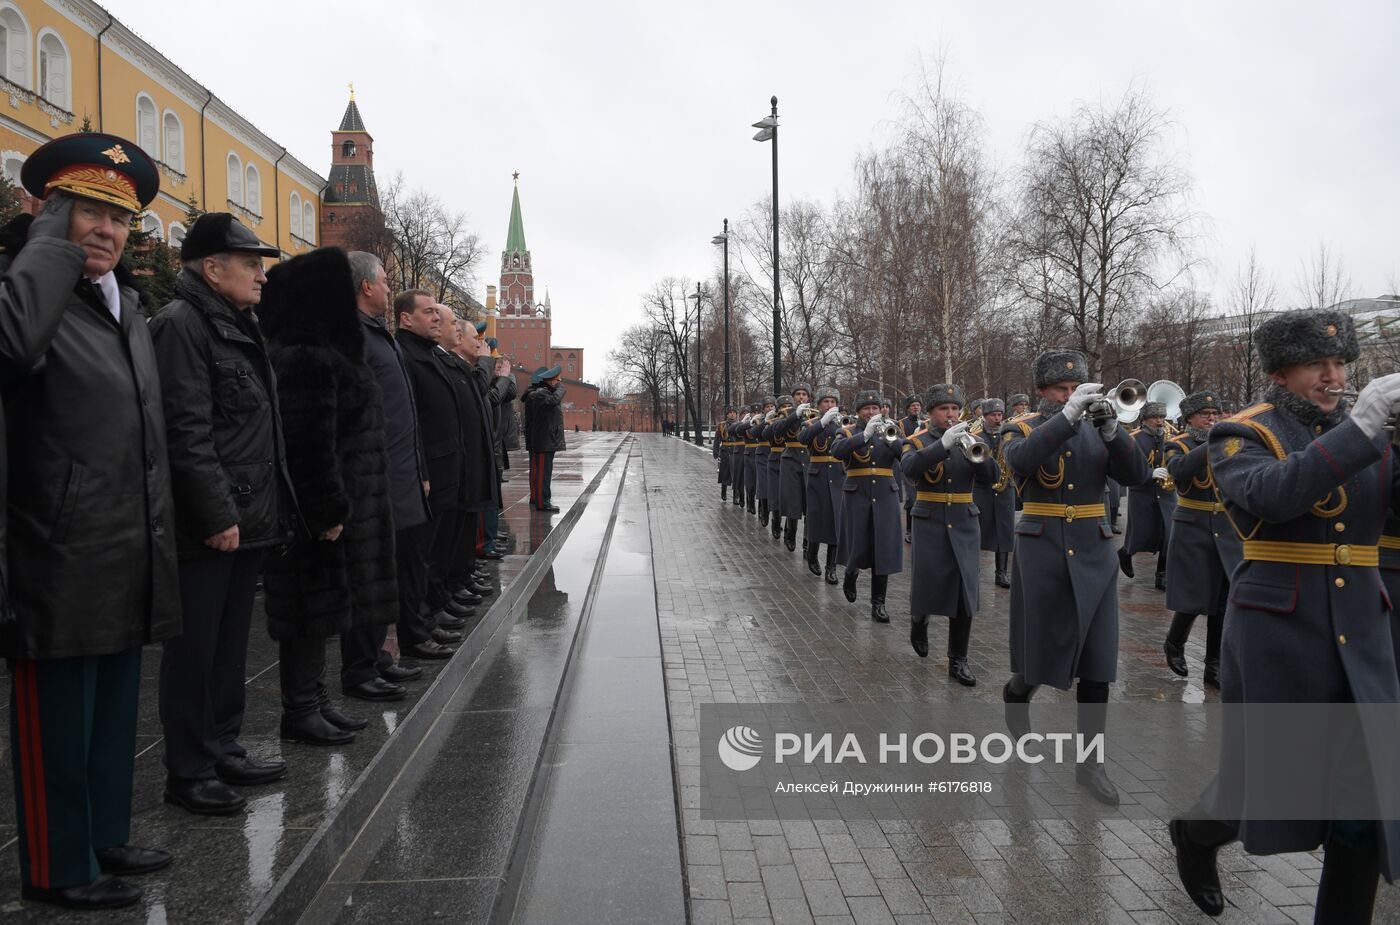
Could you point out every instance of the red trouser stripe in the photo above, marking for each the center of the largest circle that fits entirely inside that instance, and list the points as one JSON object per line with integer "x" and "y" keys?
{"x": 480, "y": 535}
{"x": 536, "y": 477}
{"x": 31, "y": 771}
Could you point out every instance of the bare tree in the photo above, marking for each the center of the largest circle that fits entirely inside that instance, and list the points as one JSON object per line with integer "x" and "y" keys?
{"x": 1253, "y": 298}
{"x": 1322, "y": 279}
{"x": 431, "y": 247}
{"x": 1104, "y": 216}
{"x": 641, "y": 360}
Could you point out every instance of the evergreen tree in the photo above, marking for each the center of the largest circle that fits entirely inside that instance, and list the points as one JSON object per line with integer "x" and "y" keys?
{"x": 11, "y": 203}
{"x": 192, "y": 210}
{"x": 87, "y": 124}
{"x": 155, "y": 264}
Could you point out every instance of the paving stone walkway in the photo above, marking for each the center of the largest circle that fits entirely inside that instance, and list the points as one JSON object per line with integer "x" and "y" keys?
{"x": 742, "y": 621}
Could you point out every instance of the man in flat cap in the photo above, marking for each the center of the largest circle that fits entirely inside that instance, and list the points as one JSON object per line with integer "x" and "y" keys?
{"x": 544, "y": 432}
{"x": 1309, "y": 484}
{"x": 1151, "y": 503}
{"x": 232, "y": 504}
{"x": 1064, "y": 589}
{"x": 92, "y": 560}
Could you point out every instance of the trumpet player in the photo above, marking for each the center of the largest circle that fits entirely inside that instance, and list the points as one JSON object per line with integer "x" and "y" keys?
{"x": 1064, "y": 597}
{"x": 776, "y": 446}
{"x": 751, "y": 447}
{"x": 945, "y": 564}
{"x": 869, "y": 539}
{"x": 825, "y": 479}
{"x": 738, "y": 454}
{"x": 760, "y": 455}
{"x": 912, "y": 422}
{"x": 1309, "y": 486}
{"x": 1204, "y": 549}
{"x": 792, "y": 466}
{"x": 1019, "y": 405}
{"x": 724, "y": 450}
{"x": 1152, "y": 501}
{"x": 996, "y": 502}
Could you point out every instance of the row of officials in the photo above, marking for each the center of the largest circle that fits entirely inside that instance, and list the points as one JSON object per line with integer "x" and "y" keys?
{"x": 1278, "y": 523}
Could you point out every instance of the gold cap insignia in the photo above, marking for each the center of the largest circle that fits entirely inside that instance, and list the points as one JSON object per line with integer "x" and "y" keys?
{"x": 1209, "y": 398}
{"x": 1069, "y": 365}
{"x": 1331, "y": 330}
{"x": 117, "y": 155}
{"x": 1232, "y": 446}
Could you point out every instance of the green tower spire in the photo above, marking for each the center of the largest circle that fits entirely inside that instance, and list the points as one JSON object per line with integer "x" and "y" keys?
{"x": 515, "y": 237}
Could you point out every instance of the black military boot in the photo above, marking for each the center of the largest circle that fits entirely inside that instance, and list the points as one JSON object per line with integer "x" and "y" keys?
{"x": 1350, "y": 874}
{"x": 848, "y": 585}
{"x": 878, "y": 584}
{"x": 1161, "y": 583}
{"x": 918, "y": 636}
{"x": 790, "y": 534}
{"x": 763, "y": 511}
{"x": 723, "y": 491}
{"x": 1215, "y": 629}
{"x": 1016, "y": 694}
{"x": 1125, "y": 562}
{"x": 1093, "y": 719}
{"x": 1175, "y": 645}
{"x": 959, "y": 669}
{"x": 831, "y": 565}
{"x": 1003, "y": 560}
{"x": 777, "y": 525}
{"x": 813, "y": 565}
{"x": 1197, "y": 841}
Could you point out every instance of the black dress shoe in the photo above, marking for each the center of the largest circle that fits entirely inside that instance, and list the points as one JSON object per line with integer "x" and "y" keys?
{"x": 210, "y": 797}
{"x": 492, "y": 554}
{"x": 848, "y": 586}
{"x": 763, "y": 518}
{"x": 466, "y": 598}
{"x": 1094, "y": 778}
{"x": 448, "y": 622}
{"x": 397, "y": 674}
{"x": 551, "y": 508}
{"x": 831, "y": 578}
{"x": 1002, "y": 581}
{"x": 1212, "y": 674}
{"x": 445, "y": 637}
{"x": 918, "y": 638}
{"x": 1018, "y": 712}
{"x": 103, "y": 893}
{"x": 314, "y": 729}
{"x": 877, "y": 611}
{"x": 1161, "y": 581}
{"x": 131, "y": 861}
{"x": 814, "y": 567}
{"x": 243, "y": 771}
{"x": 429, "y": 650}
{"x": 1176, "y": 658}
{"x": 908, "y": 537}
{"x": 484, "y": 588}
{"x": 1125, "y": 562}
{"x": 375, "y": 689}
{"x": 961, "y": 671}
{"x": 1195, "y": 865}
{"x": 454, "y": 609}
{"x": 1117, "y": 530}
{"x": 331, "y": 714}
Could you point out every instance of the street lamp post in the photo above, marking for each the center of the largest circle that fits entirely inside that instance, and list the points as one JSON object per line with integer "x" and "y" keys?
{"x": 768, "y": 131}
{"x": 724, "y": 239}
{"x": 699, "y": 394}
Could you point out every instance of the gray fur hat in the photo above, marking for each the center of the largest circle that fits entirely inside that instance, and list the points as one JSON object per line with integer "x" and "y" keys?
{"x": 828, "y": 391}
{"x": 868, "y": 397}
{"x": 910, "y": 399}
{"x": 1057, "y": 365}
{"x": 785, "y": 400}
{"x": 993, "y": 406}
{"x": 803, "y": 387}
{"x": 1020, "y": 398}
{"x": 769, "y": 400}
{"x": 1309, "y": 334}
{"x": 755, "y": 406}
{"x": 1199, "y": 401}
{"x": 1153, "y": 409}
{"x": 942, "y": 394}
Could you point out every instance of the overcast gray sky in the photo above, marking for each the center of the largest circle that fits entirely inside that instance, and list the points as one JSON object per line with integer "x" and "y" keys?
{"x": 629, "y": 122}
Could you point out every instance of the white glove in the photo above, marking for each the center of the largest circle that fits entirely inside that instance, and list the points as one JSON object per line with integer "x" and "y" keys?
{"x": 830, "y": 416}
{"x": 872, "y": 427}
{"x": 1108, "y": 430}
{"x": 1160, "y": 474}
{"x": 1376, "y": 403}
{"x": 950, "y": 436}
{"x": 1086, "y": 394}
{"x": 803, "y": 407}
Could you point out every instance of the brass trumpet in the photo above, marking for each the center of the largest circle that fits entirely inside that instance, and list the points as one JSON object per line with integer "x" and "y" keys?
{"x": 847, "y": 420}
{"x": 890, "y": 430}
{"x": 1351, "y": 395}
{"x": 811, "y": 414}
{"x": 975, "y": 450}
{"x": 770, "y": 417}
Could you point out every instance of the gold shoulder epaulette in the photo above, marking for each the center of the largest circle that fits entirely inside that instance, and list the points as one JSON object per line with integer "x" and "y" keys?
{"x": 1266, "y": 436}
{"x": 1251, "y": 411}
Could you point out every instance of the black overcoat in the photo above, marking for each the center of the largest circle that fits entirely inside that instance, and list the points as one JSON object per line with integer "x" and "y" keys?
{"x": 826, "y": 478}
{"x": 1150, "y": 506}
{"x": 1205, "y": 549}
{"x": 871, "y": 527}
{"x": 996, "y": 509}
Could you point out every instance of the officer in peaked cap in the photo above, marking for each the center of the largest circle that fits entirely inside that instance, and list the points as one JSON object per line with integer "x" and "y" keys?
{"x": 1152, "y": 503}
{"x": 93, "y": 579}
{"x": 870, "y": 512}
{"x": 1064, "y": 592}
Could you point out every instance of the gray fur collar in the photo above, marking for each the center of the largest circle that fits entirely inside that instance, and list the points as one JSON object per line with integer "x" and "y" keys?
{"x": 1302, "y": 410}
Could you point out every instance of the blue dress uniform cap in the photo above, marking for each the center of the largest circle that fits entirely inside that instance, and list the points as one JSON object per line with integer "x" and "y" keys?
{"x": 220, "y": 233}
{"x": 942, "y": 394}
{"x": 1058, "y": 365}
{"x": 1199, "y": 401}
{"x": 543, "y": 373}
{"x": 480, "y": 327}
{"x": 1301, "y": 336}
{"x": 868, "y": 397}
{"x": 93, "y": 165}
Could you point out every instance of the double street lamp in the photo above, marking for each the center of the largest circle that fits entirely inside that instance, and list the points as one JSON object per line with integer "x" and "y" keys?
{"x": 768, "y": 131}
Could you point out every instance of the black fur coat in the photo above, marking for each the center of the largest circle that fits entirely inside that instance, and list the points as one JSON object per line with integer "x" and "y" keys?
{"x": 333, "y": 418}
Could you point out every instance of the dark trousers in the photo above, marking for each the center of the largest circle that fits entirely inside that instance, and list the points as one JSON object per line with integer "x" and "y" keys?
{"x": 73, "y": 748}
{"x": 203, "y": 670}
{"x": 302, "y": 667}
{"x": 462, "y": 562}
{"x": 414, "y": 546}
{"x": 541, "y": 471}
{"x": 449, "y": 541}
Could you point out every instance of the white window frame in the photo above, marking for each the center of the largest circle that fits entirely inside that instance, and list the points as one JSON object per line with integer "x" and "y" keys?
{"x": 295, "y": 210}
{"x": 233, "y": 176}
{"x": 308, "y": 222}
{"x": 175, "y": 162}
{"x": 151, "y": 217}
{"x": 153, "y": 149}
{"x": 252, "y": 188}
{"x": 65, "y": 100}
{"x": 175, "y": 228}
{"x": 21, "y": 73}
{"x": 9, "y": 157}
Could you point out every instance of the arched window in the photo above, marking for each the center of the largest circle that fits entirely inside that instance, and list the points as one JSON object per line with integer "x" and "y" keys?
{"x": 146, "y": 125}
{"x": 348, "y": 148}
{"x": 308, "y": 222}
{"x": 152, "y": 226}
{"x": 253, "y": 191}
{"x": 13, "y": 163}
{"x": 14, "y": 45}
{"x": 53, "y": 70}
{"x": 295, "y": 212}
{"x": 235, "y": 179}
{"x": 177, "y": 235}
{"x": 174, "y": 142}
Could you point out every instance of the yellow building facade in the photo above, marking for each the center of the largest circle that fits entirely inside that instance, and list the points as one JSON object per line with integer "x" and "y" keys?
{"x": 65, "y": 60}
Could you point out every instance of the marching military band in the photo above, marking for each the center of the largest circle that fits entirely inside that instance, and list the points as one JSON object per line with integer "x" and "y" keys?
{"x": 1279, "y": 524}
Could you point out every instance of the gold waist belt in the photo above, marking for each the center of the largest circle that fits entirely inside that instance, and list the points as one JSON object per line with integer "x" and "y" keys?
{"x": 1310, "y": 553}
{"x": 731, "y": 443}
{"x": 823, "y": 459}
{"x": 796, "y": 446}
{"x": 1069, "y": 512}
{"x": 945, "y": 497}
{"x": 1214, "y": 507}
{"x": 776, "y": 449}
{"x": 857, "y": 473}
{"x": 1390, "y": 542}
